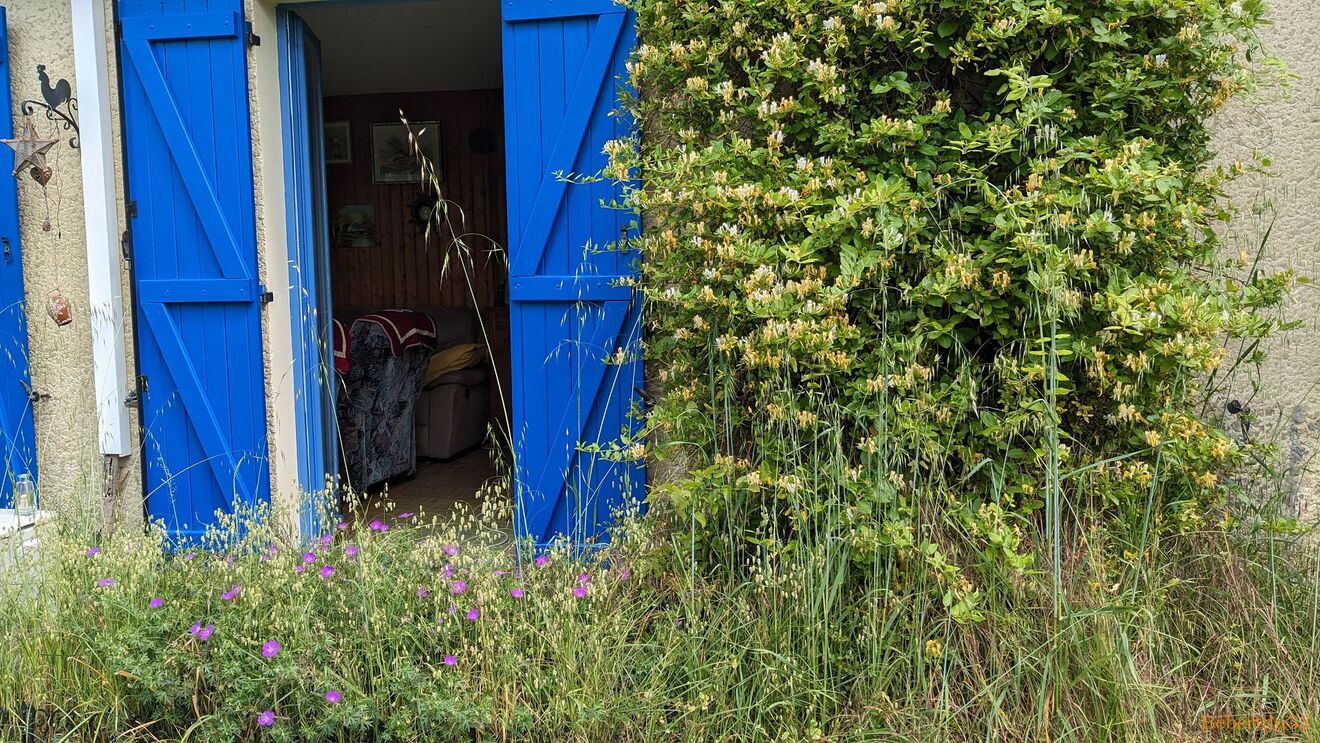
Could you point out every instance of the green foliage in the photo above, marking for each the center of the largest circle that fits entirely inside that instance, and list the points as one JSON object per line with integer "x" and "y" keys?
{"x": 946, "y": 257}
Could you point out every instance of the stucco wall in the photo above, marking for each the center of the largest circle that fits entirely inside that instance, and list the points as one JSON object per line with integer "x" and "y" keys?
{"x": 1286, "y": 126}
{"x": 72, "y": 472}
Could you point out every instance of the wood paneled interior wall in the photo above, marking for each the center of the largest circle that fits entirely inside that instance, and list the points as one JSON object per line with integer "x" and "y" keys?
{"x": 404, "y": 269}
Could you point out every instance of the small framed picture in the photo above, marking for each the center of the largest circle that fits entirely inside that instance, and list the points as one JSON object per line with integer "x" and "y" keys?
{"x": 354, "y": 226}
{"x": 338, "y": 143}
{"x": 392, "y": 157}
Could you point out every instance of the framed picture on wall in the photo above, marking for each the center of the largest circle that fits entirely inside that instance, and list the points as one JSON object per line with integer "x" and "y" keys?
{"x": 392, "y": 156}
{"x": 338, "y": 143}
{"x": 354, "y": 226}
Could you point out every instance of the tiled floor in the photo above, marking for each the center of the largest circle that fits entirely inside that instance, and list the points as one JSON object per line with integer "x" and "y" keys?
{"x": 436, "y": 487}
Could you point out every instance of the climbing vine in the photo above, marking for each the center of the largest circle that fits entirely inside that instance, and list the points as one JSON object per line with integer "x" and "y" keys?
{"x": 929, "y": 264}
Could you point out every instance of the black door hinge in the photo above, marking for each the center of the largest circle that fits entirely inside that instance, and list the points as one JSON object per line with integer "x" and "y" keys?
{"x": 32, "y": 393}
{"x": 252, "y": 38}
{"x": 266, "y": 297}
{"x": 134, "y": 397}
{"x": 9, "y": 252}
{"x": 130, "y": 208}
{"x": 126, "y": 245}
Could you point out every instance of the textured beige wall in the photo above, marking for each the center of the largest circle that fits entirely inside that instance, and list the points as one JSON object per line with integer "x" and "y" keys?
{"x": 72, "y": 471}
{"x": 1285, "y": 125}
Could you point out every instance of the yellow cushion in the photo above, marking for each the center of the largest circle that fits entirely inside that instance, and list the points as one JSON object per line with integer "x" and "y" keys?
{"x": 452, "y": 359}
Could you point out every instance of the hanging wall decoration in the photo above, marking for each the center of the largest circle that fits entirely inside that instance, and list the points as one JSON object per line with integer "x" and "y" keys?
{"x": 57, "y": 95}
{"x": 30, "y": 151}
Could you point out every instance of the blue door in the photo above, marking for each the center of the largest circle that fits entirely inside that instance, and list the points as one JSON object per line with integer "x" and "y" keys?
{"x": 196, "y": 296}
{"x": 575, "y": 327}
{"x": 309, "y": 259}
{"x": 17, "y": 440}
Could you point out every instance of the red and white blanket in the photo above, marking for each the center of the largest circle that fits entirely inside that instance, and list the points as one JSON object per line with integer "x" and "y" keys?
{"x": 341, "y": 347}
{"x": 404, "y": 328}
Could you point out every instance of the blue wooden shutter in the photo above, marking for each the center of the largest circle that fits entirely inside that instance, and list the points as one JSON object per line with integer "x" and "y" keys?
{"x": 189, "y": 162}
{"x": 570, "y": 317}
{"x": 17, "y": 439}
{"x": 309, "y": 256}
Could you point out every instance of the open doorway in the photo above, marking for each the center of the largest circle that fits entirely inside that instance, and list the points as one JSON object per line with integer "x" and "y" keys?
{"x": 409, "y": 261}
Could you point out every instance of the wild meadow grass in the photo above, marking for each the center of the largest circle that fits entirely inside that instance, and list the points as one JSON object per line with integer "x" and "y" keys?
{"x": 420, "y": 627}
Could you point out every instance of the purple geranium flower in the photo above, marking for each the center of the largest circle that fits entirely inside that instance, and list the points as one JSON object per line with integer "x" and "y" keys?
{"x": 447, "y": 571}
{"x": 541, "y": 561}
{"x": 625, "y": 574}
{"x": 377, "y": 525}
{"x": 232, "y": 593}
{"x": 342, "y": 525}
{"x": 270, "y": 649}
{"x": 327, "y": 571}
{"x": 351, "y": 550}
{"x": 453, "y": 609}
{"x": 474, "y": 614}
{"x": 189, "y": 556}
{"x": 584, "y": 579}
{"x": 422, "y": 592}
{"x": 309, "y": 557}
{"x": 93, "y": 552}
{"x": 266, "y": 719}
{"x": 326, "y": 539}
{"x": 156, "y": 603}
{"x": 451, "y": 550}
{"x": 404, "y": 516}
{"x": 516, "y": 592}
{"x": 500, "y": 572}
{"x": 106, "y": 582}
{"x": 300, "y": 569}
{"x": 332, "y": 697}
{"x": 202, "y": 633}
{"x": 451, "y": 660}
{"x": 580, "y": 592}
{"x": 458, "y": 587}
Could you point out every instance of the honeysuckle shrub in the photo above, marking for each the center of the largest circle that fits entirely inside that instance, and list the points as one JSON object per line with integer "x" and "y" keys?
{"x": 942, "y": 265}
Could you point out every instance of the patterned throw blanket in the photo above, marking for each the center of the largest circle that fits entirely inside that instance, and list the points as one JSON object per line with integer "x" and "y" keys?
{"x": 404, "y": 328}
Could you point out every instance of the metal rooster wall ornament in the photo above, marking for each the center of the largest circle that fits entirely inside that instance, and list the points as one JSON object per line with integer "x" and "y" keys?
{"x": 57, "y": 95}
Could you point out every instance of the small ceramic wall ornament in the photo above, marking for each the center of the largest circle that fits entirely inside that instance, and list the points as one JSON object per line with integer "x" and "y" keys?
{"x": 59, "y": 309}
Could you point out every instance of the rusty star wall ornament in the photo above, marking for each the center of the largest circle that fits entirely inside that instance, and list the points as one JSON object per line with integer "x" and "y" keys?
{"x": 30, "y": 149}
